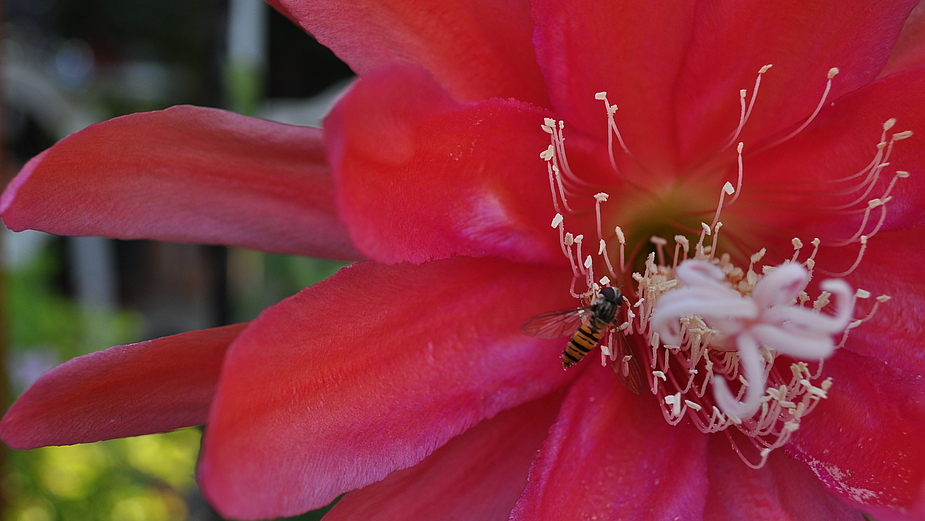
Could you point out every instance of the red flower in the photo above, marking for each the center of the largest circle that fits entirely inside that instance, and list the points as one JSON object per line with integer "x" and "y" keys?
{"x": 406, "y": 376}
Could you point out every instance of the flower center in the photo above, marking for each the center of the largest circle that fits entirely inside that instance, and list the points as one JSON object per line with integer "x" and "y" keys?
{"x": 736, "y": 348}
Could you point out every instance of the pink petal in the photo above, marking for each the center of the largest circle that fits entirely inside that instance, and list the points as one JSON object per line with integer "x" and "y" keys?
{"x": 153, "y": 386}
{"x": 421, "y": 177}
{"x": 791, "y": 187}
{"x": 783, "y": 490}
{"x": 476, "y": 49}
{"x": 610, "y": 455}
{"x": 802, "y": 39}
{"x": 185, "y": 174}
{"x": 892, "y": 266}
{"x": 368, "y": 373}
{"x": 866, "y": 442}
{"x": 909, "y": 50}
{"x": 631, "y": 50}
{"x": 476, "y": 476}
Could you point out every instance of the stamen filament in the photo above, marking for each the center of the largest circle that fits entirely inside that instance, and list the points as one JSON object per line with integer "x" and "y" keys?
{"x": 745, "y": 114}
{"x": 825, "y": 94}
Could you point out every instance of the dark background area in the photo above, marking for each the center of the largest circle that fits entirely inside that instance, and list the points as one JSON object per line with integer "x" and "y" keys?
{"x": 67, "y": 64}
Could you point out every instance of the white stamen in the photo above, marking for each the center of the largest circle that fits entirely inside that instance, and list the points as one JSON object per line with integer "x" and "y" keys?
{"x": 825, "y": 94}
{"x": 746, "y": 113}
{"x": 612, "y": 130}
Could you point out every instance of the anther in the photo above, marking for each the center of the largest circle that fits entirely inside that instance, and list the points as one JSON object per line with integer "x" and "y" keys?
{"x": 548, "y": 154}
{"x": 622, "y": 240}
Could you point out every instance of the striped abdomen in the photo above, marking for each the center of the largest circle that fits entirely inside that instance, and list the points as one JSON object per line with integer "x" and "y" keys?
{"x": 583, "y": 341}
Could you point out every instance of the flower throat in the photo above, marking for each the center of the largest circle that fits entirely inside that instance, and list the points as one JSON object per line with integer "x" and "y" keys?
{"x": 734, "y": 348}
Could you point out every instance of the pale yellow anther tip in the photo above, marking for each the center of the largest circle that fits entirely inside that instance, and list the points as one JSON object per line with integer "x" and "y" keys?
{"x": 832, "y": 72}
{"x": 620, "y": 237}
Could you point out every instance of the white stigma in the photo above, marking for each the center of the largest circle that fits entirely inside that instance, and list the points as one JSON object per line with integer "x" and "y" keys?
{"x": 767, "y": 318}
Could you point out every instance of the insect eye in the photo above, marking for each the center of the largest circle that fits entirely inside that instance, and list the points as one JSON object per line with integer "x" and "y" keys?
{"x": 609, "y": 293}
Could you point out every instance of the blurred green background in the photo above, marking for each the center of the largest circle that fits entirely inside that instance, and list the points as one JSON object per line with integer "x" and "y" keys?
{"x": 70, "y": 63}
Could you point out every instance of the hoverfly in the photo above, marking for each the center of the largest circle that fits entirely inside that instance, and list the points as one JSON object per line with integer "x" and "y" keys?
{"x": 587, "y": 325}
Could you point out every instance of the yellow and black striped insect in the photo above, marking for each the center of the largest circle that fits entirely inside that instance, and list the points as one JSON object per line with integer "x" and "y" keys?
{"x": 587, "y": 326}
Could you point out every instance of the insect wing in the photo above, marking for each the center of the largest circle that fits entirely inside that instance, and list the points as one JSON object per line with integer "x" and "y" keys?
{"x": 626, "y": 365}
{"x": 556, "y": 324}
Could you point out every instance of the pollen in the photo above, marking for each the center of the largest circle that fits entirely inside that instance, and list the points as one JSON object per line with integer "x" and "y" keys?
{"x": 732, "y": 341}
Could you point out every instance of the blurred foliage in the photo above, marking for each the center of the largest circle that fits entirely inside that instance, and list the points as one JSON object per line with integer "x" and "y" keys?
{"x": 42, "y": 315}
{"x": 135, "y": 479}
{"x": 146, "y": 478}
{"x": 259, "y": 280}
{"x": 147, "y": 54}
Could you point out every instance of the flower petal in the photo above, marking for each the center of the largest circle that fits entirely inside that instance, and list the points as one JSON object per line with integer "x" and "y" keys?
{"x": 631, "y": 50}
{"x": 610, "y": 456}
{"x": 891, "y": 266}
{"x": 153, "y": 386}
{"x": 802, "y": 39}
{"x": 866, "y": 442}
{"x": 369, "y": 372}
{"x": 185, "y": 174}
{"x": 476, "y": 476}
{"x": 783, "y": 490}
{"x": 476, "y": 49}
{"x": 421, "y": 177}
{"x": 795, "y": 186}
{"x": 909, "y": 50}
